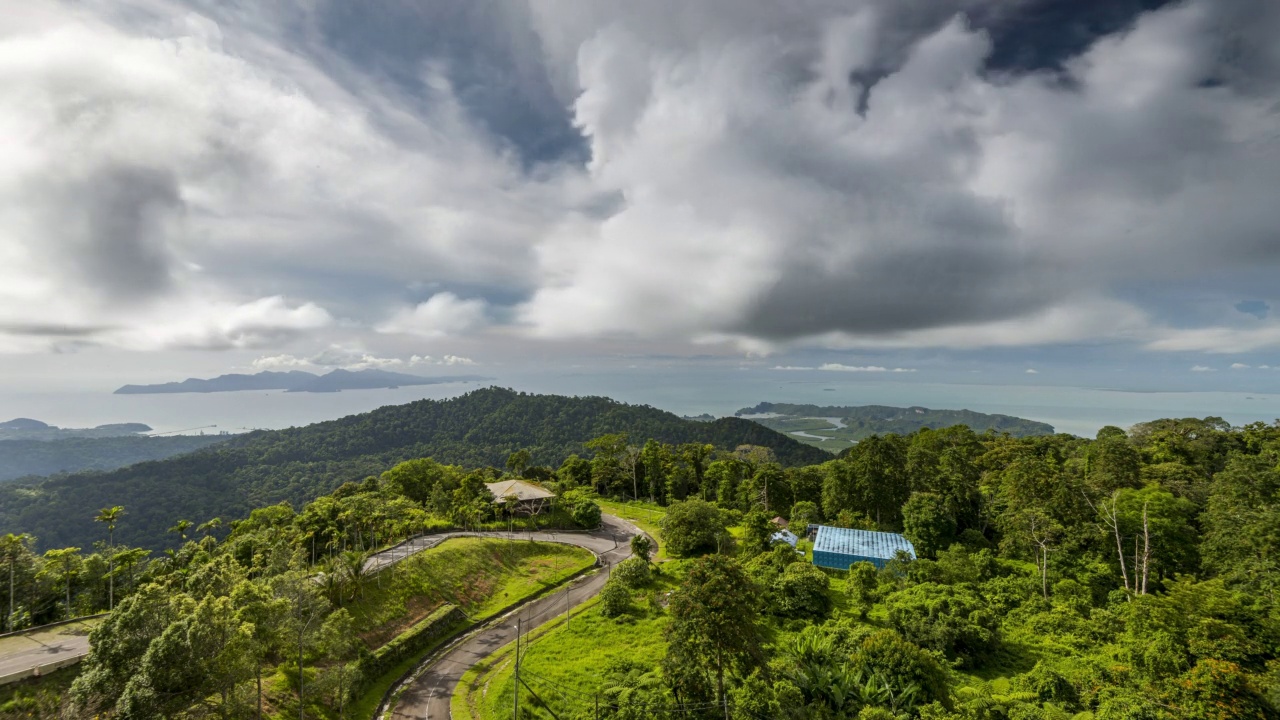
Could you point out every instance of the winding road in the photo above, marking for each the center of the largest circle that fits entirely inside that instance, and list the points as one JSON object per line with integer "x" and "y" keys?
{"x": 427, "y": 695}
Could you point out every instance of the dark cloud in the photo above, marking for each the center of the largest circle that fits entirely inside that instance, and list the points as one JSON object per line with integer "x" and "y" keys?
{"x": 112, "y": 231}
{"x": 1256, "y": 308}
{"x": 43, "y": 330}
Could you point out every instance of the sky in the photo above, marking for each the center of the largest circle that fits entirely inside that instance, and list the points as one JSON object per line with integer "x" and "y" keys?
{"x": 1047, "y": 191}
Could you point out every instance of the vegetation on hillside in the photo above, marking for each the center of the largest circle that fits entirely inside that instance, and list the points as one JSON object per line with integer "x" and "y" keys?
{"x": 34, "y": 458}
{"x": 479, "y": 429}
{"x": 835, "y": 428}
{"x": 1127, "y": 577}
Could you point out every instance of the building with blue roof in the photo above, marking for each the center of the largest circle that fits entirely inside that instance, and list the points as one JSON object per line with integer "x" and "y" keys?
{"x": 838, "y": 548}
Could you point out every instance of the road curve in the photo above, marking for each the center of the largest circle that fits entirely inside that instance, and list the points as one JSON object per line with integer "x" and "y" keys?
{"x": 428, "y": 695}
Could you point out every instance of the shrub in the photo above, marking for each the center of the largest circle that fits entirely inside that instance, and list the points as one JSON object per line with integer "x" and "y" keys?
{"x": 950, "y": 619}
{"x": 586, "y": 514}
{"x": 802, "y": 591}
{"x": 614, "y": 598}
{"x": 692, "y": 527}
{"x": 632, "y": 573}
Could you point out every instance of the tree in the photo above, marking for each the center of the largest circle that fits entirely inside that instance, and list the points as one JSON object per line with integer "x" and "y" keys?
{"x": 655, "y": 458}
{"x": 803, "y": 514}
{"x": 341, "y": 643}
{"x": 519, "y": 461}
{"x": 13, "y": 547}
{"x": 864, "y": 585}
{"x": 266, "y": 616}
{"x": 642, "y": 547}
{"x": 202, "y": 654}
{"x": 758, "y": 532}
{"x": 802, "y": 590}
{"x": 692, "y": 527}
{"x": 180, "y": 529}
{"x": 927, "y": 524}
{"x": 109, "y": 517}
{"x": 306, "y": 608}
{"x": 574, "y": 472}
{"x": 713, "y": 627}
{"x": 63, "y": 566}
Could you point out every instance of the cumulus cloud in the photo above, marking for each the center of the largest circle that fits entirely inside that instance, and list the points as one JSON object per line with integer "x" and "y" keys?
{"x": 351, "y": 358}
{"x": 839, "y": 174}
{"x": 1032, "y": 371}
{"x": 803, "y": 183}
{"x": 1202, "y": 368}
{"x": 442, "y": 315}
{"x": 837, "y": 367}
{"x": 1239, "y": 366}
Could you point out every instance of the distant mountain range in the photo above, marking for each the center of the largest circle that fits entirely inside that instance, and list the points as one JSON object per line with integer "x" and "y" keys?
{"x": 835, "y": 428}
{"x": 296, "y": 381}
{"x": 480, "y": 428}
{"x": 28, "y": 429}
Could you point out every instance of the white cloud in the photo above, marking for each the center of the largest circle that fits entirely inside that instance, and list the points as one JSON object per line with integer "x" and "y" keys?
{"x": 1239, "y": 366}
{"x": 1032, "y": 371}
{"x": 1219, "y": 340}
{"x": 837, "y": 367}
{"x": 443, "y": 314}
{"x": 1202, "y": 368}
{"x": 349, "y": 358}
{"x": 791, "y": 367}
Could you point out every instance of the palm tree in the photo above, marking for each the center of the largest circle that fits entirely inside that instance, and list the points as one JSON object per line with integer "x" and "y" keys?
{"x": 109, "y": 517}
{"x": 209, "y": 526}
{"x": 180, "y": 529}
{"x": 64, "y": 565}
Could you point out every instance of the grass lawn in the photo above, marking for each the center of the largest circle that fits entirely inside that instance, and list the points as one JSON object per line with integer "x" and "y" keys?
{"x": 479, "y": 575}
{"x": 563, "y": 666}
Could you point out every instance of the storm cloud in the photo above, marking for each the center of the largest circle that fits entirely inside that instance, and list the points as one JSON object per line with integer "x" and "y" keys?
{"x": 840, "y": 174}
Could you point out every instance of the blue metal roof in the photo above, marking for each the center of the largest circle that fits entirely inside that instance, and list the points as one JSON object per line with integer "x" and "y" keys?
{"x": 861, "y": 543}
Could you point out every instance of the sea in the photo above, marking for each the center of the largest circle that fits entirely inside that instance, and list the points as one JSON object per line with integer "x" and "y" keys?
{"x": 1077, "y": 410}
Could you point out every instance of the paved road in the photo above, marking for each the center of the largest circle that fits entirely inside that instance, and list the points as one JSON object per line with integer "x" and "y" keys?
{"x": 23, "y": 652}
{"x": 428, "y": 695}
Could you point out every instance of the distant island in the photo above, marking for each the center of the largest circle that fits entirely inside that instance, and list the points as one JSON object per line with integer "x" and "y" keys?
{"x": 296, "y": 381}
{"x": 837, "y": 427}
{"x": 28, "y": 429}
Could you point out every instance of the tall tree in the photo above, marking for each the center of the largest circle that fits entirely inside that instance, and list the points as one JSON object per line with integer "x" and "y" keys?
{"x": 63, "y": 566}
{"x": 109, "y": 516}
{"x": 713, "y": 628}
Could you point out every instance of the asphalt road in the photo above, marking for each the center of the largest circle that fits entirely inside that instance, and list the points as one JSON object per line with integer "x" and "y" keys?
{"x": 23, "y": 652}
{"x": 428, "y": 695}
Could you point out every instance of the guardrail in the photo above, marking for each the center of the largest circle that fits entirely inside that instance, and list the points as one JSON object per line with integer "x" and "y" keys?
{"x": 28, "y": 631}
{"x": 40, "y": 670}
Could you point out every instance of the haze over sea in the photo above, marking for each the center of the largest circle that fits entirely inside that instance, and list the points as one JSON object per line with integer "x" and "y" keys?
{"x": 1076, "y": 410}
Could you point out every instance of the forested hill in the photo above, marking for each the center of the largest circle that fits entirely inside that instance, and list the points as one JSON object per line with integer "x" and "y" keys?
{"x": 480, "y": 428}
{"x": 865, "y": 420}
{"x": 19, "y": 458}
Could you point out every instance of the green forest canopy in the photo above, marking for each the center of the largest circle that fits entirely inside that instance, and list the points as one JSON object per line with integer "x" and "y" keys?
{"x": 1130, "y": 576}
{"x": 296, "y": 465}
